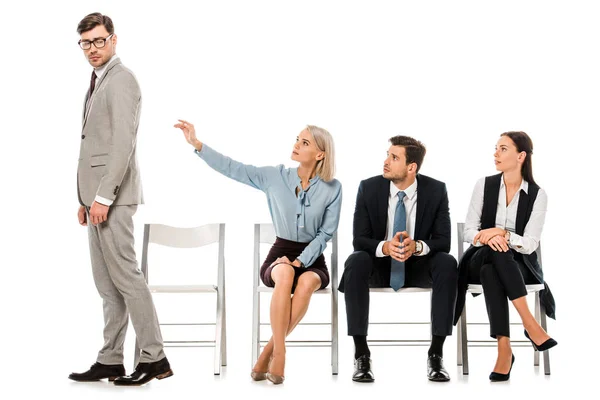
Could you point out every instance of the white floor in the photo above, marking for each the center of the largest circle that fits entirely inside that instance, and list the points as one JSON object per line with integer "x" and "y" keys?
{"x": 399, "y": 371}
{"x": 46, "y": 340}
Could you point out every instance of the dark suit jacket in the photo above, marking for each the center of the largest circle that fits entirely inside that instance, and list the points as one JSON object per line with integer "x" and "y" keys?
{"x": 370, "y": 220}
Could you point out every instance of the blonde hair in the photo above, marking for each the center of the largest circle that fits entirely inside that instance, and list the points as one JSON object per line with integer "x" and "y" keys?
{"x": 324, "y": 142}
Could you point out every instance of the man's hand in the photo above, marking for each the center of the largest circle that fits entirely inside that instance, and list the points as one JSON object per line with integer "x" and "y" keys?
{"x": 483, "y": 236}
{"x": 81, "y": 216}
{"x": 407, "y": 247}
{"x": 98, "y": 213}
{"x": 392, "y": 247}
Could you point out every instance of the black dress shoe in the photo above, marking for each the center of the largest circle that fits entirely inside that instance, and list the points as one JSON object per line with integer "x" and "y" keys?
{"x": 498, "y": 377}
{"x": 362, "y": 370}
{"x": 145, "y": 372}
{"x": 548, "y": 344}
{"x": 435, "y": 369}
{"x": 99, "y": 371}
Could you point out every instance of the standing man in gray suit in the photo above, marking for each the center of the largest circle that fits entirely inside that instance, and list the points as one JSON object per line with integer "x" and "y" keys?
{"x": 109, "y": 190}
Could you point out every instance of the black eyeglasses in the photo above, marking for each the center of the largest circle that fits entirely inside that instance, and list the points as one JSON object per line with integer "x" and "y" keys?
{"x": 98, "y": 42}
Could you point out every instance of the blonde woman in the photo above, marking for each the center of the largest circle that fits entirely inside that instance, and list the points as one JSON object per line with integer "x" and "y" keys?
{"x": 305, "y": 204}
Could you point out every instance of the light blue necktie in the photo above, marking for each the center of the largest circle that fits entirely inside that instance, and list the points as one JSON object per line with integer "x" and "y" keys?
{"x": 397, "y": 270}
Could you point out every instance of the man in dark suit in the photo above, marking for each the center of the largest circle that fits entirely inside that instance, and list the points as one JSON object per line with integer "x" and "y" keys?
{"x": 401, "y": 239}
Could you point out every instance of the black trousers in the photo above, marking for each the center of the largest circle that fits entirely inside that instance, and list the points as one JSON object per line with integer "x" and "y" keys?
{"x": 502, "y": 275}
{"x": 437, "y": 271}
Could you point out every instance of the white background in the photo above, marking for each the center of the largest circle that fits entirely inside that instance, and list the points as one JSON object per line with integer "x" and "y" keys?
{"x": 251, "y": 75}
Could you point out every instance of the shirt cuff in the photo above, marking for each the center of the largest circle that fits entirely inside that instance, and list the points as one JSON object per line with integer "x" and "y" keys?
{"x": 103, "y": 201}
{"x": 379, "y": 250}
{"x": 515, "y": 241}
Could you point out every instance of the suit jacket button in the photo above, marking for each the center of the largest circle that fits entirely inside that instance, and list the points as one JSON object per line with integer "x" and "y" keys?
{"x": 83, "y": 136}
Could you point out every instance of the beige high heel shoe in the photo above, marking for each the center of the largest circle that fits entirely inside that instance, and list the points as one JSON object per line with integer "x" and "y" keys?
{"x": 258, "y": 376}
{"x": 275, "y": 379}
{"x": 261, "y": 376}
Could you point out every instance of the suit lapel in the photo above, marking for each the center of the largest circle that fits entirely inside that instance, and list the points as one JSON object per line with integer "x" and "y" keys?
{"x": 383, "y": 198}
{"x": 421, "y": 200}
{"x": 91, "y": 100}
{"x": 84, "y": 108}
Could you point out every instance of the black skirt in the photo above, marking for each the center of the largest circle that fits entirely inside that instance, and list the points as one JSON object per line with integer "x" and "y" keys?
{"x": 292, "y": 250}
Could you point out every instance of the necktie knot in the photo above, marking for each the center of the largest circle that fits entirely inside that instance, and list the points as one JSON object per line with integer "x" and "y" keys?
{"x": 401, "y": 195}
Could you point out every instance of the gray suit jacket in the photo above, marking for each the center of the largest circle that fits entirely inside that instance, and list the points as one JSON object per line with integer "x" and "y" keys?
{"x": 107, "y": 158}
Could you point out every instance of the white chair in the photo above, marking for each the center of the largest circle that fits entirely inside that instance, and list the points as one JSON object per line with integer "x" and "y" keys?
{"x": 463, "y": 342}
{"x": 265, "y": 234}
{"x": 402, "y": 342}
{"x": 192, "y": 238}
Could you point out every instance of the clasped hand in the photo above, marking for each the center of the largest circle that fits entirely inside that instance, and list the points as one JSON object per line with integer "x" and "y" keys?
{"x": 493, "y": 237}
{"x": 400, "y": 248}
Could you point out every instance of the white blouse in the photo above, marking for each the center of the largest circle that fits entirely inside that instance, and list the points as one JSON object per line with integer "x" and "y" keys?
{"x": 506, "y": 217}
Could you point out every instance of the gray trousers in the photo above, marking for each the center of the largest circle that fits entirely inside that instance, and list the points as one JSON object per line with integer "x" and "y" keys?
{"x": 123, "y": 288}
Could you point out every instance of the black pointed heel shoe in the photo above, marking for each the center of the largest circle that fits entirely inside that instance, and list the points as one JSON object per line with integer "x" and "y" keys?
{"x": 548, "y": 344}
{"x": 498, "y": 377}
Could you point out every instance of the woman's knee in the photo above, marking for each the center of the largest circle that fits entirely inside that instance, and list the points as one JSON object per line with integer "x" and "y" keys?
{"x": 283, "y": 274}
{"x": 501, "y": 257}
{"x": 308, "y": 283}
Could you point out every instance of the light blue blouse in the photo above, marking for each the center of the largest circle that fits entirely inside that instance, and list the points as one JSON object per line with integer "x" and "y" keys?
{"x": 311, "y": 217}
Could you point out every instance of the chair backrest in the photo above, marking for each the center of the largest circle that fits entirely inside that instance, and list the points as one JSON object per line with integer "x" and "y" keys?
{"x": 265, "y": 234}
{"x": 177, "y": 237}
{"x": 182, "y": 237}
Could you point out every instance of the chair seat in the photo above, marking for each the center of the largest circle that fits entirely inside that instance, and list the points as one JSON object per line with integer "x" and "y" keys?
{"x": 530, "y": 288}
{"x": 182, "y": 288}
{"x": 401, "y": 290}
{"x": 266, "y": 289}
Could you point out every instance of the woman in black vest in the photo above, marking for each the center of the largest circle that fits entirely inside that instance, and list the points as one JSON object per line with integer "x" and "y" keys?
{"x": 504, "y": 223}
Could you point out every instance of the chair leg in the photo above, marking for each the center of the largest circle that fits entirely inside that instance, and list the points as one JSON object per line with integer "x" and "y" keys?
{"x": 218, "y": 332}
{"x": 459, "y": 355}
{"x": 547, "y": 352}
{"x": 334, "y": 335}
{"x": 224, "y": 333}
{"x": 536, "y": 354}
{"x": 255, "y": 327}
{"x": 464, "y": 340}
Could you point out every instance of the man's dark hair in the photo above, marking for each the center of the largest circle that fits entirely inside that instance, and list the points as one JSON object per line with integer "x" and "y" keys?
{"x": 415, "y": 150}
{"x": 93, "y": 20}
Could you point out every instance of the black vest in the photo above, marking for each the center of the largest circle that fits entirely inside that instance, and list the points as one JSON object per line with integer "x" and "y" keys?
{"x": 526, "y": 200}
{"x": 488, "y": 220}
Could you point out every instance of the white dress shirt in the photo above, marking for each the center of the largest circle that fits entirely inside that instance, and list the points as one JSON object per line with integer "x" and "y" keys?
{"x": 99, "y": 72}
{"x": 410, "y": 205}
{"x": 506, "y": 217}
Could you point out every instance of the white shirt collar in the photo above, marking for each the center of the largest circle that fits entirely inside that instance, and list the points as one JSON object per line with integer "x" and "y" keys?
{"x": 524, "y": 185}
{"x": 101, "y": 70}
{"x": 410, "y": 191}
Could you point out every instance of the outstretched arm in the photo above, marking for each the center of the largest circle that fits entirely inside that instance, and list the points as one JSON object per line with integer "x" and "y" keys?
{"x": 257, "y": 177}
